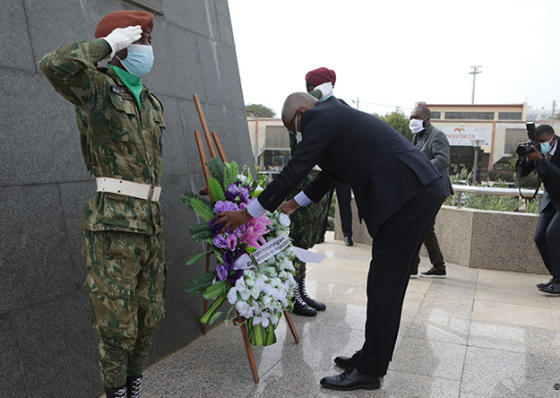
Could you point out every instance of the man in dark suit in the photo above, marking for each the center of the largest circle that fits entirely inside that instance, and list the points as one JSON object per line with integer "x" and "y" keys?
{"x": 547, "y": 235}
{"x": 398, "y": 192}
{"x": 433, "y": 143}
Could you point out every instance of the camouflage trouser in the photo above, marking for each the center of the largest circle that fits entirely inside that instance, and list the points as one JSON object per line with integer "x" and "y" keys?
{"x": 306, "y": 223}
{"x": 126, "y": 280}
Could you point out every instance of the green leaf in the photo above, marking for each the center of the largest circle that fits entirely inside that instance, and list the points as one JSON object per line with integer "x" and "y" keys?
{"x": 210, "y": 314}
{"x": 216, "y": 289}
{"x": 219, "y": 256}
{"x": 216, "y": 190}
{"x": 203, "y": 208}
{"x": 202, "y": 236}
{"x": 251, "y": 249}
{"x": 216, "y": 169}
{"x": 233, "y": 170}
{"x": 200, "y": 227}
{"x": 200, "y": 284}
{"x": 196, "y": 258}
{"x": 187, "y": 196}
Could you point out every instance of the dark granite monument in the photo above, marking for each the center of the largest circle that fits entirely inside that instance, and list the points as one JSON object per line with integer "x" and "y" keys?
{"x": 47, "y": 348}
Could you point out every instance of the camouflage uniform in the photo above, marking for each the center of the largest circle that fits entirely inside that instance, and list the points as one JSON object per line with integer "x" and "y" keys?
{"x": 122, "y": 238}
{"x": 306, "y": 222}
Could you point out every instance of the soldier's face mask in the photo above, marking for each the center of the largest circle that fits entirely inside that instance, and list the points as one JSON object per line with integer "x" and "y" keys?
{"x": 139, "y": 60}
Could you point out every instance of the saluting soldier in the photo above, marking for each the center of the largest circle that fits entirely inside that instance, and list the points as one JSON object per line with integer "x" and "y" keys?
{"x": 121, "y": 124}
{"x": 307, "y": 222}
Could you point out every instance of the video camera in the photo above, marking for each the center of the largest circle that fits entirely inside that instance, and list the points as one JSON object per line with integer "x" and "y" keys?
{"x": 526, "y": 148}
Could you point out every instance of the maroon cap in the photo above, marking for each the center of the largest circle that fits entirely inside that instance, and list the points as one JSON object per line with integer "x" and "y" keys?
{"x": 124, "y": 19}
{"x": 320, "y": 75}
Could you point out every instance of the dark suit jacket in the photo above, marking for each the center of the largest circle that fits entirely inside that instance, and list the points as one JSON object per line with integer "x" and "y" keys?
{"x": 383, "y": 168}
{"x": 549, "y": 171}
{"x": 433, "y": 143}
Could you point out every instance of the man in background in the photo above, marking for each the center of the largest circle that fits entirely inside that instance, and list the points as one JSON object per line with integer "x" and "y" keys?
{"x": 434, "y": 145}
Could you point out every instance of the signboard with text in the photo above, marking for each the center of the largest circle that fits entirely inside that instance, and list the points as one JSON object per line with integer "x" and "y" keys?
{"x": 462, "y": 135}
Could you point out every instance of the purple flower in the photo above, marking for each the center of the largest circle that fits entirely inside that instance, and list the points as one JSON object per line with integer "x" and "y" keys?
{"x": 222, "y": 272}
{"x": 216, "y": 227}
{"x": 233, "y": 276}
{"x": 220, "y": 242}
{"x": 238, "y": 253}
{"x": 229, "y": 262}
{"x": 224, "y": 206}
{"x": 233, "y": 191}
{"x": 231, "y": 242}
{"x": 244, "y": 196}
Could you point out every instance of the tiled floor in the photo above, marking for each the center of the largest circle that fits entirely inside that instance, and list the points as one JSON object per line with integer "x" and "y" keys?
{"x": 477, "y": 333}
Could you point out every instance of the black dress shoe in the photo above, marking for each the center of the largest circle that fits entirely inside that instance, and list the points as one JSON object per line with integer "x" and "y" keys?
{"x": 345, "y": 363}
{"x": 301, "y": 308}
{"x": 539, "y": 285}
{"x": 553, "y": 288}
{"x": 351, "y": 380}
{"x": 349, "y": 241}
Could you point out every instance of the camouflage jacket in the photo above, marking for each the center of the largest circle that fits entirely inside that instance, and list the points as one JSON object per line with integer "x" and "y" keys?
{"x": 118, "y": 140}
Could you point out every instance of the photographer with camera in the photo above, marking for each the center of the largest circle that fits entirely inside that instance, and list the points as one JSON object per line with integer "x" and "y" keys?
{"x": 539, "y": 154}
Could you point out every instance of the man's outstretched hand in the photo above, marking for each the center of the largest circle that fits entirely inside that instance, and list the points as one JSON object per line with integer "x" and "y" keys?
{"x": 289, "y": 207}
{"x": 233, "y": 219}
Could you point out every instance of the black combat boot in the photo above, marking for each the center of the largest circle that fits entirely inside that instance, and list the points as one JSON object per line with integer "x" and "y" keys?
{"x": 312, "y": 303}
{"x": 133, "y": 384}
{"x": 300, "y": 306}
{"x": 116, "y": 392}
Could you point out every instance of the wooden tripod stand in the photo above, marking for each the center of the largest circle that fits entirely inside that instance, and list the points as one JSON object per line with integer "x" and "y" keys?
{"x": 205, "y": 191}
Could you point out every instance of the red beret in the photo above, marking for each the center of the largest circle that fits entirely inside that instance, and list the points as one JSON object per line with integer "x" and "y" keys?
{"x": 320, "y": 76}
{"x": 124, "y": 19}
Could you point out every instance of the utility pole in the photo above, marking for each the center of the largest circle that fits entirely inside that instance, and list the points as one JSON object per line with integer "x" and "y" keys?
{"x": 553, "y": 112}
{"x": 357, "y": 103}
{"x": 474, "y": 72}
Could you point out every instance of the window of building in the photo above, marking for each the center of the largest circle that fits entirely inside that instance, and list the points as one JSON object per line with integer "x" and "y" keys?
{"x": 509, "y": 115}
{"x": 276, "y": 157}
{"x": 435, "y": 115}
{"x": 277, "y": 137}
{"x": 470, "y": 115}
{"x": 513, "y": 138}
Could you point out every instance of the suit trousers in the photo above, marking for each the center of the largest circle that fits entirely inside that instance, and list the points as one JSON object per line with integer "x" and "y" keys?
{"x": 547, "y": 238}
{"x": 344, "y": 197}
{"x": 394, "y": 250}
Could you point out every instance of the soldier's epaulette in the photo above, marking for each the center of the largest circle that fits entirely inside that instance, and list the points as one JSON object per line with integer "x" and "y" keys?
{"x": 157, "y": 99}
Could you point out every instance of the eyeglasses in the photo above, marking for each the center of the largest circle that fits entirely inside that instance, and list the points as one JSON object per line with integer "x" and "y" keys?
{"x": 291, "y": 121}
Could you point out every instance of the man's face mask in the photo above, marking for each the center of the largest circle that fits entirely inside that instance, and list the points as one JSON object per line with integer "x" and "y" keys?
{"x": 139, "y": 60}
{"x": 416, "y": 125}
{"x": 545, "y": 147}
{"x": 299, "y": 137}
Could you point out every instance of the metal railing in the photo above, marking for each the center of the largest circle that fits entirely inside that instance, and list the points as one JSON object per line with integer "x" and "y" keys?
{"x": 460, "y": 189}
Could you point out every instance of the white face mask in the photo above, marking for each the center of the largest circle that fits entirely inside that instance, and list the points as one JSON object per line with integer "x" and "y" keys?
{"x": 299, "y": 137}
{"x": 416, "y": 125}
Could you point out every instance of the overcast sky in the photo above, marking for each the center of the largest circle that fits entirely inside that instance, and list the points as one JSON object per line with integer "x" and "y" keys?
{"x": 398, "y": 52}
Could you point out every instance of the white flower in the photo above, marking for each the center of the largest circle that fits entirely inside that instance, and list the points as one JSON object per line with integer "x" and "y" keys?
{"x": 284, "y": 220}
{"x": 242, "y": 307}
{"x": 232, "y": 295}
{"x": 274, "y": 319}
{"x": 275, "y": 282}
{"x": 257, "y": 320}
{"x": 242, "y": 178}
{"x": 245, "y": 294}
{"x": 266, "y": 300}
{"x": 255, "y": 291}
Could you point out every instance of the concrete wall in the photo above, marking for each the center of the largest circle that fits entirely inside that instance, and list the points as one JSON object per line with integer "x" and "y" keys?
{"x": 47, "y": 346}
{"x": 475, "y": 238}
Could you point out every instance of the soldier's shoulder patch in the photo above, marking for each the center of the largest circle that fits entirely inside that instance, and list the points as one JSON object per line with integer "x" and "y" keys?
{"x": 115, "y": 89}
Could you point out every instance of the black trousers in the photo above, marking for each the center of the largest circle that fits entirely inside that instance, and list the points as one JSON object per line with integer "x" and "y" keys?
{"x": 547, "y": 238}
{"x": 394, "y": 249}
{"x": 344, "y": 197}
{"x": 434, "y": 252}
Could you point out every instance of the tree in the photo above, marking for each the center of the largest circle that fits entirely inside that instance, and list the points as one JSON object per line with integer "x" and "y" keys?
{"x": 259, "y": 110}
{"x": 397, "y": 120}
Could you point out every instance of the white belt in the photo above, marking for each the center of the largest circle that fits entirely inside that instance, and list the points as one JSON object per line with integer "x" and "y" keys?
{"x": 128, "y": 188}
